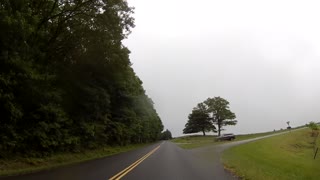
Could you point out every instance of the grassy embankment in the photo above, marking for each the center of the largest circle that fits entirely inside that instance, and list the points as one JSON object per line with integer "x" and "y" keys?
{"x": 190, "y": 142}
{"x": 287, "y": 156}
{"x": 19, "y": 165}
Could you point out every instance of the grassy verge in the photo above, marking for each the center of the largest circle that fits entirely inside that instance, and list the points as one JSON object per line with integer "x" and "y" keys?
{"x": 190, "y": 142}
{"x": 287, "y": 156}
{"x": 14, "y": 166}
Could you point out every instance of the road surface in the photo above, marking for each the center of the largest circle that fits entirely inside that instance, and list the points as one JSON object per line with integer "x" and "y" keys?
{"x": 163, "y": 160}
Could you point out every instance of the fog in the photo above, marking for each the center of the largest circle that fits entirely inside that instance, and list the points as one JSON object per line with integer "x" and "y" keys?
{"x": 263, "y": 57}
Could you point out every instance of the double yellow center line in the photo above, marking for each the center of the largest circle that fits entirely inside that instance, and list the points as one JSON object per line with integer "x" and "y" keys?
{"x": 133, "y": 165}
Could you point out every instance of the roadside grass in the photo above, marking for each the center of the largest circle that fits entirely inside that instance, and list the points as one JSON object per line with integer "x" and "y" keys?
{"x": 189, "y": 142}
{"x": 19, "y": 165}
{"x": 287, "y": 156}
{"x": 196, "y": 141}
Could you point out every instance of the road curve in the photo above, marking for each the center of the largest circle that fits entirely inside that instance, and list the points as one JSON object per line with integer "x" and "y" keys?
{"x": 172, "y": 162}
{"x": 163, "y": 160}
{"x": 212, "y": 154}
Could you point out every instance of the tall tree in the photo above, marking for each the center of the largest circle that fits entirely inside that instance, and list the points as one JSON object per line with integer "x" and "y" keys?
{"x": 66, "y": 81}
{"x": 219, "y": 112}
{"x": 166, "y": 135}
{"x": 199, "y": 121}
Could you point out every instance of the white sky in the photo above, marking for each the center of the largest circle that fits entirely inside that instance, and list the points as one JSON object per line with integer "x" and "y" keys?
{"x": 262, "y": 56}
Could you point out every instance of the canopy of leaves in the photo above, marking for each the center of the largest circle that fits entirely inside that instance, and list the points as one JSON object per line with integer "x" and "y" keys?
{"x": 166, "y": 135}
{"x": 220, "y": 113}
{"x": 213, "y": 111}
{"x": 66, "y": 81}
{"x": 313, "y": 126}
{"x": 199, "y": 121}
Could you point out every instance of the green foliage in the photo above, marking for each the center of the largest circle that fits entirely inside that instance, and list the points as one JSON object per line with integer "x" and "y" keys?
{"x": 314, "y": 133}
{"x": 220, "y": 114}
{"x": 199, "y": 121}
{"x": 66, "y": 81}
{"x": 206, "y": 114}
{"x": 166, "y": 135}
{"x": 313, "y": 126}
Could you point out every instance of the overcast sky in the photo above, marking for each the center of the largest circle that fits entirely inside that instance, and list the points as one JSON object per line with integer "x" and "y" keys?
{"x": 262, "y": 56}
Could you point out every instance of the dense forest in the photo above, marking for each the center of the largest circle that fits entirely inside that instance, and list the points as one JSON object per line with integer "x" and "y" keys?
{"x": 66, "y": 81}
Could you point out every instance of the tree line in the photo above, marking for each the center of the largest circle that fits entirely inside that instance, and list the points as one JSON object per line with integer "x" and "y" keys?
{"x": 210, "y": 115}
{"x": 166, "y": 135}
{"x": 66, "y": 81}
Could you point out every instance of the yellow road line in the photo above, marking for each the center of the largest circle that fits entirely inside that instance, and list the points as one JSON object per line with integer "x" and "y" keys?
{"x": 133, "y": 165}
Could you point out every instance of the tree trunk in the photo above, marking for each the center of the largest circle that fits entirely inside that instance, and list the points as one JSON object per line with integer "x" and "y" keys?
{"x": 219, "y": 128}
{"x": 204, "y": 133}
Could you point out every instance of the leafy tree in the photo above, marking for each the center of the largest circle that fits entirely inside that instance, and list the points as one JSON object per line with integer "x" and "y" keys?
{"x": 219, "y": 112}
{"x": 199, "y": 121}
{"x": 166, "y": 135}
{"x": 66, "y": 81}
{"x": 314, "y": 128}
{"x": 315, "y": 133}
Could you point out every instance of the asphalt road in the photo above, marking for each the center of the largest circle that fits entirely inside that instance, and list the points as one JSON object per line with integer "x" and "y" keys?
{"x": 100, "y": 169}
{"x": 168, "y": 162}
{"x": 163, "y": 160}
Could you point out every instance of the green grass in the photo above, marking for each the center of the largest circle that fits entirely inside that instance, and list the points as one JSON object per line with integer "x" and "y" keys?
{"x": 189, "y": 142}
{"x": 20, "y": 165}
{"x": 196, "y": 141}
{"x": 287, "y": 156}
{"x": 250, "y": 136}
